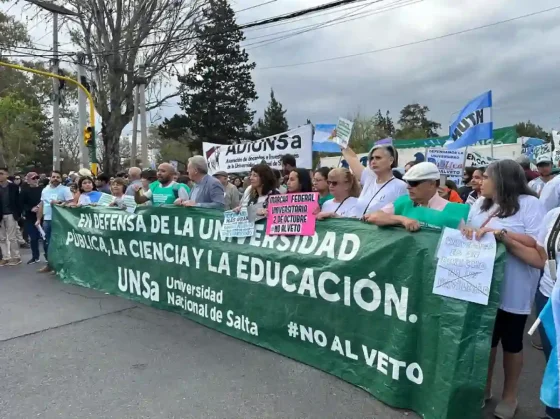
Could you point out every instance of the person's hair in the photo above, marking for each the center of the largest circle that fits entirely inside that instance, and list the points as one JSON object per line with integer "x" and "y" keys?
{"x": 150, "y": 175}
{"x": 121, "y": 182}
{"x": 102, "y": 177}
{"x": 390, "y": 150}
{"x": 304, "y": 180}
{"x": 451, "y": 185}
{"x": 57, "y": 172}
{"x": 81, "y": 181}
{"x": 524, "y": 162}
{"x": 397, "y": 174}
{"x": 411, "y": 163}
{"x": 238, "y": 179}
{"x": 268, "y": 179}
{"x": 469, "y": 171}
{"x": 184, "y": 179}
{"x": 347, "y": 175}
{"x": 134, "y": 170}
{"x": 481, "y": 169}
{"x": 509, "y": 184}
{"x": 4, "y": 169}
{"x": 288, "y": 159}
{"x": 199, "y": 163}
{"x": 323, "y": 171}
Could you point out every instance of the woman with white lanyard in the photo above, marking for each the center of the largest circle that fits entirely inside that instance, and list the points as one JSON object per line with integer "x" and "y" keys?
{"x": 548, "y": 244}
{"x": 345, "y": 190}
{"x": 379, "y": 186}
{"x": 510, "y": 210}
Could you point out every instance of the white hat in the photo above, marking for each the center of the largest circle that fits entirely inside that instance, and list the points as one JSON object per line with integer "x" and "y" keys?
{"x": 84, "y": 172}
{"x": 545, "y": 158}
{"x": 423, "y": 171}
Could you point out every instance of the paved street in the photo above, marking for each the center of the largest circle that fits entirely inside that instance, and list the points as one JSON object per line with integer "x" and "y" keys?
{"x": 69, "y": 352}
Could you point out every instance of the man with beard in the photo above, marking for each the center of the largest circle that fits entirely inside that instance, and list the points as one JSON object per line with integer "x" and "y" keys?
{"x": 165, "y": 190}
{"x": 53, "y": 193}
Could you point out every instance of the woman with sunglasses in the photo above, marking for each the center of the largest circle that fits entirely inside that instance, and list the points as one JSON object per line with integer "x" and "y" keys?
{"x": 423, "y": 206}
{"x": 345, "y": 190}
{"x": 511, "y": 211}
{"x": 379, "y": 185}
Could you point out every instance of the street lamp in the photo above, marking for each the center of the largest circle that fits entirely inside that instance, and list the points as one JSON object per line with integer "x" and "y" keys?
{"x": 55, "y": 10}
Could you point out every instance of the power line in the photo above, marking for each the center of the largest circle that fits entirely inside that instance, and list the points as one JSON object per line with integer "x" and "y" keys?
{"x": 412, "y": 43}
{"x": 337, "y": 21}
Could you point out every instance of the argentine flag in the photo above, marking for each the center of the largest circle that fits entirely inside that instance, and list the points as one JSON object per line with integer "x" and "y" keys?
{"x": 473, "y": 124}
{"x": 321, "y": 140}
{"x": 550, "y": 319}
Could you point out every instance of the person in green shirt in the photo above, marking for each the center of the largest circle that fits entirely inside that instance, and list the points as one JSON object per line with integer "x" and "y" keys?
{"x": 320, "y": 185}
{"x": 165, "y": 190}
{"x": 423, "y": 206}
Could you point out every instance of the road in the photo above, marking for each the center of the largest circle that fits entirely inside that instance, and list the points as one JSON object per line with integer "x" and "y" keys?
{"x": 69, "y": 352}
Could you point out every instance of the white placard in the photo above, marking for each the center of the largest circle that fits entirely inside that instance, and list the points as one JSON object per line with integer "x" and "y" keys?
{"x": 465, "y": 267}
{"x": 105, "y": 199}
{"x": 237, "y": 158}
{"x": 129, "y": 203}
{"x": 237, "y": 224}
{"x": 343, "y": 132}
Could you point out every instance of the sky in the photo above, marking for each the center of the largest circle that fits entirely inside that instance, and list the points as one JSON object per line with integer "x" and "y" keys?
{"x": 517, "y": 60}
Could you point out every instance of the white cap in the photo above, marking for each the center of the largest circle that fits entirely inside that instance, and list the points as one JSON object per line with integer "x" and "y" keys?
{"x": 84, "y": 172}
{"x": 545, "y": 158}
{"x": 423, "y": 171}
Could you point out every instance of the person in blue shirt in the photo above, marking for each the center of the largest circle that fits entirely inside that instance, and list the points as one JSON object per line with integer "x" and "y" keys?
{"x": 88, "y": 193}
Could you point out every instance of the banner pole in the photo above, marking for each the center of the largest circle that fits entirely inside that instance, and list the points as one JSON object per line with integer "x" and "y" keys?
{"x": 491, "y": 139}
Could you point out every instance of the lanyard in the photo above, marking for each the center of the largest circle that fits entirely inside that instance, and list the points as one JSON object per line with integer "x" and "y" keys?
{"x": 551, "y": 248}
{"x": 339, "y": 205}
{"x": 379, "y": 190}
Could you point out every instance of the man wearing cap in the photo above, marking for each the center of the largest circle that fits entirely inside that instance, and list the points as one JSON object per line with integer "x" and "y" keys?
{"x": 422, "y": 206}
{"x": 544, "y": 166}
{"x": 231, "y": 194}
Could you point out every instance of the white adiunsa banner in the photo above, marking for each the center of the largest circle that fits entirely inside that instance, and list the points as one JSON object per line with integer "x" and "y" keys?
{"x": 237, "y": 158}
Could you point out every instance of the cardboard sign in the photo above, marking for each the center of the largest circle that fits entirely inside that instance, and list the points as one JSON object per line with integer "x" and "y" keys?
{"x": 292, "y": 214}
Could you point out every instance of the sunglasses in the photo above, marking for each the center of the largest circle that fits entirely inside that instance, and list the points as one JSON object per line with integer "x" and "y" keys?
{"x": 415, "y": 183}
{"x": 35, "y": 178}
{"x": 332, "y": 182}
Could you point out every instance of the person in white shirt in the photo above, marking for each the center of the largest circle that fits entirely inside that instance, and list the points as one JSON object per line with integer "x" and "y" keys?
{"x": 510, "y": 210}
{"x": 550, "y": 194}
{"x": 345, "y": 189}
{"x": 379, "y": 185}
{"x": 544, "y": 166}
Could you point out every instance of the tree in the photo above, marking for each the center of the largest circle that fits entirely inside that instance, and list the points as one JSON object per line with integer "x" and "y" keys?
{"x": 119, "y": 35}
{"x": 19, "y": 128}
{"x": 274, "y": 121}
{"x": 414, "y": 123}
{"x": 217, "y": 90}
{"x": 12, "y": 33}
{"x": 529, "y": 129}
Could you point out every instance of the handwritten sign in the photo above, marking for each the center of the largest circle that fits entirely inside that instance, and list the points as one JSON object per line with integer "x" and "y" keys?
{"x": 237, "y": 225}
{"x": 465, "y": 267}
{"x": 292, "y": 214}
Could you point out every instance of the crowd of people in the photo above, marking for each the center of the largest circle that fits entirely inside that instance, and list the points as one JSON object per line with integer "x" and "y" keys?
{"x": 521, "y": 208}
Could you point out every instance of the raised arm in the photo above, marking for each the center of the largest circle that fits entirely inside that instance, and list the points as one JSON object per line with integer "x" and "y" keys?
{"x": 354, "y": 162}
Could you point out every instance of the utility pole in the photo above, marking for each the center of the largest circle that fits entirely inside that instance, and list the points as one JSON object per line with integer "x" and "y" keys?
{"x": 82, "y": 109}
{"x": 134, "y": 147}
{"x": 143, "y": 127}
{"x": 56, "y": 98}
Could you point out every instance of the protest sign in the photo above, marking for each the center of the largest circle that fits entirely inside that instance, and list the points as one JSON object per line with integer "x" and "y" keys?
{"x": 237, "y": 158}
{"x": 292, "y": 214}
{"x": 237, "y": 224}
{"x": 449, "y": 162}
{"x": 129, "y": 203}
{"x": 343, "y": 132}
{"x": 475, "y": 159}
{"x": 465, "y": 267}
{"x": 105, "y": 199}
{"x": 345, "y": 300}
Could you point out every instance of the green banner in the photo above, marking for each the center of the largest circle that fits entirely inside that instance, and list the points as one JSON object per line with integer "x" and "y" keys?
{"x": 353, "y": 300}
{"x": 507, "y": 135}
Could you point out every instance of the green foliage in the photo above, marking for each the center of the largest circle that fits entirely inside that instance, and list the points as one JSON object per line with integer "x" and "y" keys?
{"x": 12, "y": 33}
{"x": 274, "y": 121}
{"x": 19, "y": 128}
{"x": 217, "y": 90}
{"x": 414, "y": 123}
{"x": 529, "y": 129}
{"x": 368, "y": 130}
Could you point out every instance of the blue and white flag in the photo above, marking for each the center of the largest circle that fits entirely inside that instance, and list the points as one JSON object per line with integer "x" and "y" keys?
{"x": 322, "y": 140}
{"x": 550, "y": 319}
{"x": 473, "y": 124}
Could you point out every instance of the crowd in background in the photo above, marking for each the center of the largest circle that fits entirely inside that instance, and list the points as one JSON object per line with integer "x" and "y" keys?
{"x": 519, "y": 206}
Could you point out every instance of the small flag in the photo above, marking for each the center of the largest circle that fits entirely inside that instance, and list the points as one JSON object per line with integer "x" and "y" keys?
{"x": 473, "y": 124}
{"x": 322, "y": 139}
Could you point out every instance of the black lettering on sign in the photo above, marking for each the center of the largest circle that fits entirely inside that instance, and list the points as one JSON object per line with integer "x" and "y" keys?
{"x": 475, "y": 118}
